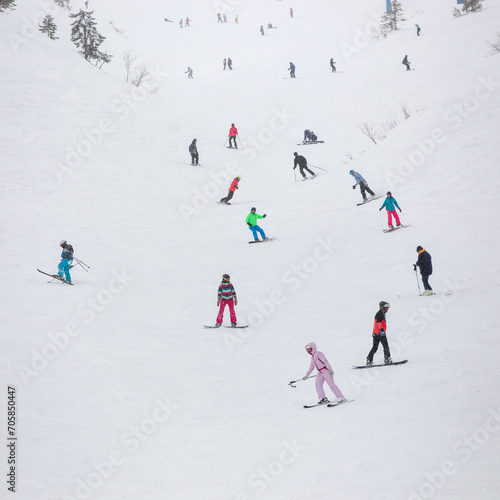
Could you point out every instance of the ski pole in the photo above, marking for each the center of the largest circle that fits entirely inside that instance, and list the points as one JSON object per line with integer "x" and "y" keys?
{"x": 292, "y": 382}
{"x": 418, "y": 284}
{"x": 241, "y": 144}
{"x": 314, "y": 166}
{"x": 226, "y": 141}
{"x": 82, "y": 264}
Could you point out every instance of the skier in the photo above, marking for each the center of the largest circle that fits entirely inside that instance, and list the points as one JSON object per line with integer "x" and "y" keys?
{"x": 406, "y": 63}
{"x": 229, "y": 63}
{"x": 66, "y": 260}
{"x": 233, "y": 132}
{"x": 307, "y": 135}
{"x": 291, "y": 12}
{"x": 390, "y": 205}
{"x": 379, "y": 335}
{"x": 189, "y": 72}
{"x": 314, "y": 137}
{"x": 363, "y": 185}
{"x": 224, "y": 63}
{"x": 193, "y": 149}
{"x": 302, "y": 163}
{"x": 251, "y": 221}
{"x": 292, "y": 70}
{"x": 418, "y": 29}
{"x": 262, "y": 29}
{"x": 332, "y": 65}
{"x": 226, "y": 296}
{"x": 187, "y": 21}
{"x": 219, "y": 19}
{"x": 232, "y": 188}
{"x": 424, "y": 262}
{"x": 180, "y": 23}
{"x": 224, "y": 18}
{"x": 236, "y": 19}
{"x": 325, "y": 374}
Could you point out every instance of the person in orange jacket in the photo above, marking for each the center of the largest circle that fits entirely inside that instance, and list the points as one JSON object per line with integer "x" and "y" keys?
{"x": 379, "y": 335}
{"x": 233, "y": 132}
{"x": 232, "y": 188}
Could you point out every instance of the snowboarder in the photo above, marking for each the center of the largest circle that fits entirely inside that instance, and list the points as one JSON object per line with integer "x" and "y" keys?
{"x": 307, "y": 135}
{"x": 302, "y": 163}
{"x": 229, "y": 63}
{"x": 189, "y": 72}
{"x": 262, "y": 29}
{"x": 236, "y": 19}
{"x": 193, "y": 149}
{"x": 292, "y": 70}
{"x": 66, "y": 260}
{"x": 406, "y": 63}
{"x": 224, "y": 18}
{"x": 187, "y": 21}
{"x": 418, "y": 29}
{"x": 224, "y": 62}
{"x": 233, "y": 132}
{"x": 363, "y": 185}
{"x": 424, "y": 262}
{"x": 251, "y": 221}
{"x": 291, "y": 12}
{"x": 379, "y": 335}
{"x": 325, "y": 374}
{"x": 232, "y": 188}
{"x": 226, "y": 296}
{"x": 314, "y": 137}
{"x": 180, "y": 23}
{"x": 219, "y": 19}
{"x": 390, "y": 204}
{"x": 332, "y": 65}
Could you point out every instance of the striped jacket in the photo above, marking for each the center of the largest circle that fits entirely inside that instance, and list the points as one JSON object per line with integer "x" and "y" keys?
{"x": 226, "y": 291}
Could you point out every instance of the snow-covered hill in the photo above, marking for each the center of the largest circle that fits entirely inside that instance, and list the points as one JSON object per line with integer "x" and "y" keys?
{"x": 120, "y": 392}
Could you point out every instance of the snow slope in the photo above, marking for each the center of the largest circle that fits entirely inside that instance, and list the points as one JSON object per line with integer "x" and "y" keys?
{"x": 121, "y": 393}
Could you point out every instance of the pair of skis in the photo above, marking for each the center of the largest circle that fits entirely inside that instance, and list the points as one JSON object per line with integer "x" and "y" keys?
{"x": 56, "y": 277}
{"x": 330, "y": 405}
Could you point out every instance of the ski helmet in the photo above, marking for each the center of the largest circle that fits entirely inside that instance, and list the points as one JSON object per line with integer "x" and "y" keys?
{"x": 389, "y": 193}
{"x": 62, "y": 242}
{"x": 253, "y": 209}
{"x": 351, "y": 172}
{"x": 384, "y": 305}
{"x": 239, "y": 178}
{"x": 226, "y": 278}
{"x": 295, "y": 154}
{"x": 232, "y": 124}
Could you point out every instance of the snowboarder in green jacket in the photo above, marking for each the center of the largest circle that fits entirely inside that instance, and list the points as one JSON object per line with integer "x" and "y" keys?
{"x": 251, "y": 221}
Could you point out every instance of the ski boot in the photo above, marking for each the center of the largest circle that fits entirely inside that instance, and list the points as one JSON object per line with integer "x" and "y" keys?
{"x": 388, "y": 361}
{"x": 323, "y": 401}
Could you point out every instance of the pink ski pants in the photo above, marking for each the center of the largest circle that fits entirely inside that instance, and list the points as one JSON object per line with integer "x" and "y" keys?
{"x": 389, "y": 217}
{"x": 322, "y": 377}
{"x": 223, "y": 304}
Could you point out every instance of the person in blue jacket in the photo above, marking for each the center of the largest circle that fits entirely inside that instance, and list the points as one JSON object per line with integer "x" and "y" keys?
{"x": 363, "y": 185}
{"x": 390, "y": 204}
{"x": 292, "y": 70}
{"x": 424, "y": 262}
{"x": 193, "y": 149}
{"x": 66, "y": 260}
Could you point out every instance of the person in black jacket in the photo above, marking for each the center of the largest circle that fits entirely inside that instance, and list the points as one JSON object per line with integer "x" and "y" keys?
{"x": 406, "y": 63}
{"x": 302, "y": 163}
{"x": 424, "y": 262}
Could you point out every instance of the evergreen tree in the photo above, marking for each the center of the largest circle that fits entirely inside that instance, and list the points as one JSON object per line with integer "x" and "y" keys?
{"x": 390, "y": 20}
{"x": 63, "y": 3}
{"x": 7, "y": 4}
{"x": 86, "y": 37}
{"x": 48, "y": 26}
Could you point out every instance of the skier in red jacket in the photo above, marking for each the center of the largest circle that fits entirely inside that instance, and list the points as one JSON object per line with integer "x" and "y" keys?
{"x": 232, "y": 188}
{"x": 233, "y": 132}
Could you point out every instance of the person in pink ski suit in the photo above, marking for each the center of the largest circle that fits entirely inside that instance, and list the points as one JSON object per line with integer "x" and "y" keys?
{"x": 325, "y": 374}
{"x": 226, "y": 296}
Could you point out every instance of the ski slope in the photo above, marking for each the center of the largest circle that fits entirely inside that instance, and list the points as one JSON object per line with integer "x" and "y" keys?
{"x": 120, "y": 391}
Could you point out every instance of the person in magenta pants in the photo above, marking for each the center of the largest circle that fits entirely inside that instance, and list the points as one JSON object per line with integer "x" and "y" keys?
{"x": 226, "y": 296}
{"x": 390, "y": 204}
{"x": 325, "y": 374}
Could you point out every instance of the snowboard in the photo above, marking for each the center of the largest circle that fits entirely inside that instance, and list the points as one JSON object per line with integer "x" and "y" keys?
{"x": 383, "y": 364}
{"x": 230, "y": 147}
{"x": 223, "y": 203}
{"x": 368, "y": 200}
{"x": 261, "y": 241}
{"x": 310, "y": 142}
{"x": 56, "y": 277}
{"x": 211, "y": 326}
{"x": 237, "y": 326}
{"x": 395, "y": 228}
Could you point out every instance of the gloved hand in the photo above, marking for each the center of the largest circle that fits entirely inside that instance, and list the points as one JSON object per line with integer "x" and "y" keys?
{"x": 380, "y": 209}
{"x": 305, "y": 377}
{"x": 218, "y": 303}
{"x": 235, "y": 301}
{"x": 264, "y": 216}
{"x": 414, "y": 267}
{"x": 354, "y": 187}
{"x": 382, "y": 332}
{"x": 331, "y": 372}
{"x": 400, "y": 210}
{"x": 249, "y": 225}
